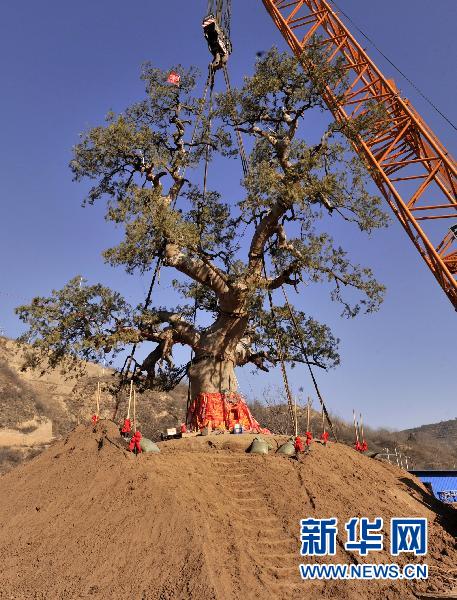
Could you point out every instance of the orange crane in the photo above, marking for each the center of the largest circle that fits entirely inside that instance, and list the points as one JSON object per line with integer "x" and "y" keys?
{"x": 413, "y": 170}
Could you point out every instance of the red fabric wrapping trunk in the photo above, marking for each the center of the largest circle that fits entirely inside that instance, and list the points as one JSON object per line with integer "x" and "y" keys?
{"x": 221, "y": 411}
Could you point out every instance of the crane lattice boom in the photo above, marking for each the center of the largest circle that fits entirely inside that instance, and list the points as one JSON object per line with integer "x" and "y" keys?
{"x": 412, "y": 169}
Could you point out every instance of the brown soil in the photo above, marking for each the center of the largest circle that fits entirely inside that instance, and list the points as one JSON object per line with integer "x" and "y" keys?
{"x": 202, "y": 520}
{"x": 35, "y": 409}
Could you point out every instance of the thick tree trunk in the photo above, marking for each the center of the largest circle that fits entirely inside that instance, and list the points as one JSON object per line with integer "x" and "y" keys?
{"x": 215, "y": 401}
{"x": 215, "y": 359}
{"x": 210, "y": 375}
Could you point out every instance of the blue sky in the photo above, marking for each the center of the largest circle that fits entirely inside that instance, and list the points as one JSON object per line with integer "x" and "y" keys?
{"x": 64, "y": 65}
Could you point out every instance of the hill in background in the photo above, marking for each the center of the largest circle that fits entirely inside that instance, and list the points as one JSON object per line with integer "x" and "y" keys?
{"x": 428, "y": 447}
{"x": 36, "y": 409}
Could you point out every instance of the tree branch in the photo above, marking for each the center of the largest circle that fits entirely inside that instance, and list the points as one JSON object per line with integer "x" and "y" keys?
{"x": 244, "y": 355}
{"x": 303, "y": 361}
{"x": 161, "y": 352}
{"x": 267, "y": 227}
{"x": 196, "y": 269}
{"x": 282, "y": 278}
{"x": 183, "y": 332}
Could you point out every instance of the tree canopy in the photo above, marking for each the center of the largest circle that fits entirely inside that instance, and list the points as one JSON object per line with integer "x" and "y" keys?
{"x": 228, "y": 253}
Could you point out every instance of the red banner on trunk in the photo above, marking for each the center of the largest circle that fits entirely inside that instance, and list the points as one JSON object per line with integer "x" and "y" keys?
{"x": 221, "y": 411}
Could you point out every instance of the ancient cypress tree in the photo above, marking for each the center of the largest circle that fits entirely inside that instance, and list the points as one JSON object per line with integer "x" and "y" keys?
{"x": 228, "y": 253}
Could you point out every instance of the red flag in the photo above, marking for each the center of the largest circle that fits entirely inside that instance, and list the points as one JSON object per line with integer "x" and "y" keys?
{"x": 298, "y": 445}
{"x": 174, "y": 78}
{"x": 134, "y": 445}
{"x": 127, "y": 426}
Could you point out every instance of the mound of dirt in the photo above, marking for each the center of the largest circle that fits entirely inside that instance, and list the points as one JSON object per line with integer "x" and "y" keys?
{"x": 201, "y": 520}
{"x": 35, "y": 408}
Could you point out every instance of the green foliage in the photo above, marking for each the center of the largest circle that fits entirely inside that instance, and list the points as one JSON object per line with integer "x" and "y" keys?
{"x": 314, "y": 182}
{"x": 148, "y": 222}
{"x": 77, "y": 322}
{"x": 280, "y": 84}
{"x": 216, "y": 228}
{"x": 266, "y": 328}
{"x": 147, "y": 146}
{"x": 320, "y": 260}
{"x": 139, "y": 163}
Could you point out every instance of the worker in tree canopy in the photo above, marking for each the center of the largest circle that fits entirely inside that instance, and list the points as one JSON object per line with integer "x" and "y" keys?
{"x": 219, "y": 46}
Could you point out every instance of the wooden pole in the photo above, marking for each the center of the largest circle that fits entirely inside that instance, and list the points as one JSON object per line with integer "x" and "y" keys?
{"x": 98, "y": 399}
{"x": 308, "y": 413}
{"x": 296, "y": 419}
{"x": 130, "y": 399}
{"x": 355, "y": 428}
{"x": 134, "y": 411}
{"x": 323, "y": 421}
{"x": 361, "y": 428}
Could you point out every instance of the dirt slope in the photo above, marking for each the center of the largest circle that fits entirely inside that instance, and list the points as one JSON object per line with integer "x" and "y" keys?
{"x": 202, "y": 520}
{"x": 432, "y": 446}
{"x": 36, "y": 409}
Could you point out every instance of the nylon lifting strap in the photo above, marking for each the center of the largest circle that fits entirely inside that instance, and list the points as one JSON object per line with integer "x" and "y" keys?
{"x": 131, "y": 358}
{"x": 239, "y": 137}
{"x": 222, "y": 10}
{"x": 245, "y": 167}
{"x": 290, "y": 402}
{"x": 305, "y": 354}
{"x": 210, "y": 82}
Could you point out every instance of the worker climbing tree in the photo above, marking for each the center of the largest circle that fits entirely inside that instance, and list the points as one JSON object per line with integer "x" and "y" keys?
{"x": 229, "y": 254}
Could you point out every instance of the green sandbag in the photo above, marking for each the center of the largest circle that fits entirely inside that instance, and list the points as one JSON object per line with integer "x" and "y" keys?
{"x": 148, "y": 445}
{"x": 287, "y": 449}
{"x": 258, "y": 446}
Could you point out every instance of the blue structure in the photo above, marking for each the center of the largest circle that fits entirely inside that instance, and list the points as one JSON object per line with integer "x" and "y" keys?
{"x": 443, "y": 484}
